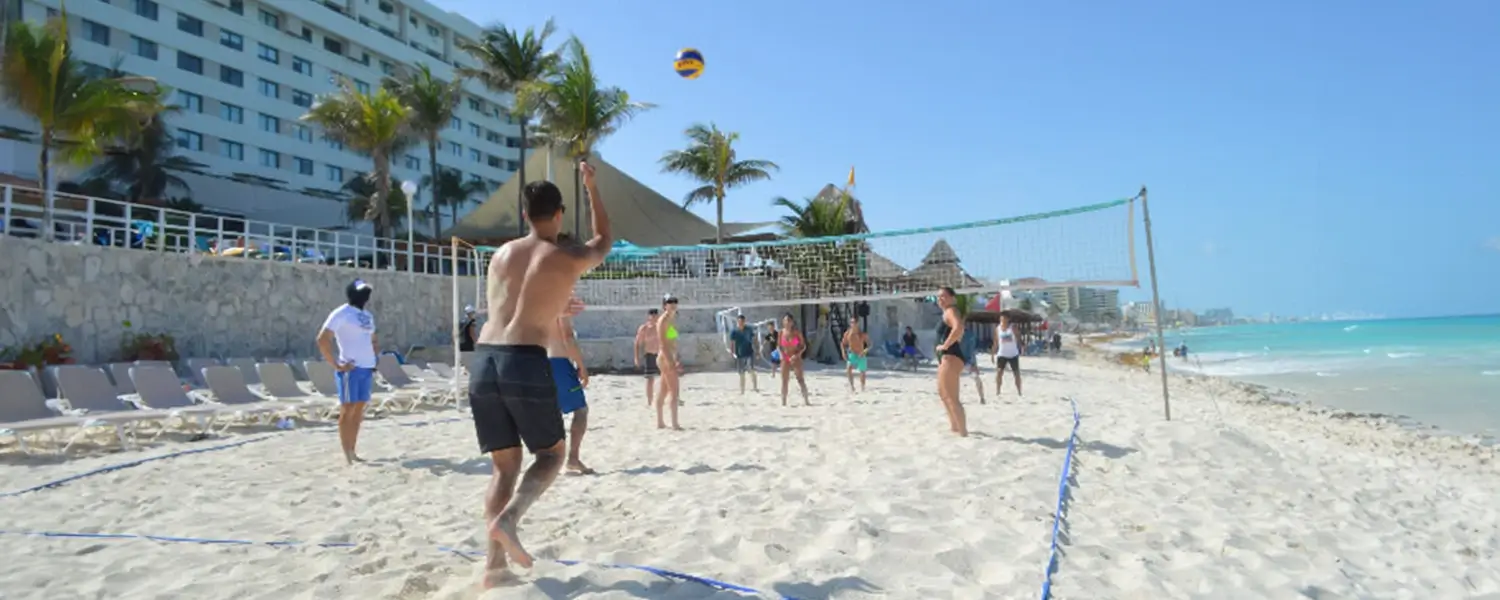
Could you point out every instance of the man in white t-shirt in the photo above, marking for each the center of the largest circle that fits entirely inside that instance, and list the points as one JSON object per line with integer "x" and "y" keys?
{"x": 353, "y": 329}
{"x": 1007, "y": 354}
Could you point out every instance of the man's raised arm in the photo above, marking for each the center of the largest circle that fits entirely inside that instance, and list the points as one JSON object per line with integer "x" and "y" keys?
{"x": 598, "y": 247}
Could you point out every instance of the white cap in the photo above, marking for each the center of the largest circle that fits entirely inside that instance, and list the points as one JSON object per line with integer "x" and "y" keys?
{"x": 469, "y": 309}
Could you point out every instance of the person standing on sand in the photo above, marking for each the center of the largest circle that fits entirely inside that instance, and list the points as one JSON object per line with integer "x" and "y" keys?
{"x": 647, "y": 339}
{"x": 1007, "y": 354}
{"x": 571, "y": 378}
{"x": 353, "y": 329}
{"x": 772, "y": 346}
{"x": 671, "y": 367}
{"x": 909, "y": 348}
{"x": 742, "y": 348}
{"x": 512, "y": 394}
{"x": 466, "y": 330}
{"x": 856, "y": 345}
{"x": 951, "y": 361}
{"x": 793, "y": 346}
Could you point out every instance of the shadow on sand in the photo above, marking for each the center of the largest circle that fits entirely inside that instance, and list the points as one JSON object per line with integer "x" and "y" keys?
{"x": 1104, "y": 449}
{"x": 698, "y": 469}
{"x": 763, "y": 428}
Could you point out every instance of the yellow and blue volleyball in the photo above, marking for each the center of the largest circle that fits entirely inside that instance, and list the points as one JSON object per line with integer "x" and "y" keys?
{"x": 689, "y": 63}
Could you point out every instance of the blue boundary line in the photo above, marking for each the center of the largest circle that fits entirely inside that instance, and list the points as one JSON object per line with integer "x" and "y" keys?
{"x": 663, "y": 573}
{"x": 134, "y": 463}
{"x": 1062, "y": 501}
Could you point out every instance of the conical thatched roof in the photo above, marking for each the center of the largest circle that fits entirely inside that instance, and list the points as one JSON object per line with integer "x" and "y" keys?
{"x": 940, "y": 268}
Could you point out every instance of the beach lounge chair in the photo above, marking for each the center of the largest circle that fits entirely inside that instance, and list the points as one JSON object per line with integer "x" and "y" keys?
{"x": 195, "y": 367}
{"x": 281, "y": 384}
{"x": 229, "y": 389}
{"x": 247, "y": 369}
{"x": 403, "y": 385}
{"x": 89, "y": 390}
{"x": 158, "y": 388}
{"x": 320, "y": 374}
{"x": 120, "y": 373}
{"x": 25, "y": 413}
{"x": 441, "y": 370}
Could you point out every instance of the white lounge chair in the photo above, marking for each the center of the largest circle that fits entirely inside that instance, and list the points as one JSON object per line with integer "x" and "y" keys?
{"x": 25, "y": 413}
{"x": 442, "y": 370}
{"x": 228, "y": 387}
{"x": 322, "y": 377}
{"x": 88, "y": 390}
{"x": 402, "y": 384}
{"x": 158, "y": 388}
{"x": 195, "y": 367}
{"x": 247, "y": 369}
{"x": 280, "y": 383}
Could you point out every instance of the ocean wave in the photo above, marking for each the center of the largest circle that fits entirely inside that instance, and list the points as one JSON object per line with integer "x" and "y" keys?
{"x": 1495, "y": 372}
{"x": 1327, "y": 374}
{"x": 1404, "y": 355}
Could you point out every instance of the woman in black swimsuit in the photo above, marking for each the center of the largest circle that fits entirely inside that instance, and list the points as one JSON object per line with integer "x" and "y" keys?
{"x": 951, "y": 361}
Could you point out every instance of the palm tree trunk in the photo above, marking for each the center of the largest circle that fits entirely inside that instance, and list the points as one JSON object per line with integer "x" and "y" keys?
{"x": 577, "y": 201}
{"x": 44, "y": 177}
{"x": 719, "y": 219}
{"x": 382, "y": 195}
{"x": 432, "y": 188}
{"x": 521, "y": 189}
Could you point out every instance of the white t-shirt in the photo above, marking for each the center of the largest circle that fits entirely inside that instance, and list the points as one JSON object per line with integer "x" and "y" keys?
{"x": 1008, "y": 346}
{"x": 353, "y": 329}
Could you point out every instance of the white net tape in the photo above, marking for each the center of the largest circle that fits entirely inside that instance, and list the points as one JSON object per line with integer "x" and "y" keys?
{"x": 1085, "y": 246}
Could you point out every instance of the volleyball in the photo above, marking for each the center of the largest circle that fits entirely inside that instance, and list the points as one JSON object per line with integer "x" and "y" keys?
{"x": 689, "y": 63}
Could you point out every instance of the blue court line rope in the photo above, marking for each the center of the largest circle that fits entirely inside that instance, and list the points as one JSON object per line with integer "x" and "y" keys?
{"x": 1062, "y": 498}
{"x": 664, "y": 573}
{"x": 130, "y": 464}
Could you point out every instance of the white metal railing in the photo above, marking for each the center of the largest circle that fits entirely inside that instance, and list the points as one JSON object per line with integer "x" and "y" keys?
{"x": 87, "y": 220}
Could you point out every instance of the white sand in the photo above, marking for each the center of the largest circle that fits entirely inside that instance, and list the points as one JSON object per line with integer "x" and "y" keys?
{"x": 863, "y": 496}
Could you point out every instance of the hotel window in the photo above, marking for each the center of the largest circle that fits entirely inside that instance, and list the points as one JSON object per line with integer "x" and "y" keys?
{"x": 413, "y": 163}
{"x": 333, "y": 45}
{"x": 189, "y": 101}
{"x": 96, "y": 33}
{"x": 232, "y": 40}
{"x": 302, "y": 65}
{"x": 456, "y": 124}
{"x": 189, "y": 24}
{"x": 142, "y": 47}
{"x": 189, "y": 63}
{"x": 302, "y": 99}
{"x": 232, "y": 76}
{"x": 145, "y": 8}
{"x": 303, "y": 132}
{"x": 270, "y": 123}
{"x": 237, "y": 6}
{"x": 475, "y": 155}
{"x": 335, "y": 173}
{"x": 387, "y": 68}
{"x": 234, "y": 150}
{"x": 270, "y": 158}
{"x": 189, "y": 140}
{"x": 269, "y": 54}
{"x": 476, "y": 105}
{"x": 432, "y": 31}
{"x": 333, "y": 143}
{"x": 304, "y": 166}
{"x": 269, "y": 89}
{"x": 455, "y": 149}
{"x": 232, "y": 113}
{"x": 475, "y": 129}
{"x": 270, "y": 19}
{"x": 362, "y": 87}
{"x": 493, "y": 161}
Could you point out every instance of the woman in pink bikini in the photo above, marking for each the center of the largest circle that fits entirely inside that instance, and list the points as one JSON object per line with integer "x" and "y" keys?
{"x": 793, "y": 345}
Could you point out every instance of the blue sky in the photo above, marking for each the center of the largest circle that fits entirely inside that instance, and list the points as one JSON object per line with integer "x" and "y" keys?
{"x": 1302, "y": 157}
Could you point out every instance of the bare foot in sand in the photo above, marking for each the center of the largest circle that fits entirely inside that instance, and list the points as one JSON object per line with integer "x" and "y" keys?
{"x": 352, "y": 459}
{"x": 577, "y": 467}
{"x": 503, "y": 530}
{"x": 498, "y": 578}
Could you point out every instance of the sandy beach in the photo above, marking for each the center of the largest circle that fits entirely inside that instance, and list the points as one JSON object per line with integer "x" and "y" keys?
{"x": 860, "y": 496}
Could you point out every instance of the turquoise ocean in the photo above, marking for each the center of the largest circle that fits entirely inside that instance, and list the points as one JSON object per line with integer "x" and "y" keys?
{"x": 1440, "y": 371}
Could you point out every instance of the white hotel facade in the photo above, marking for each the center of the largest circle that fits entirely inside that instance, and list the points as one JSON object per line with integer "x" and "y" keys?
{"x": 245, "y": 71}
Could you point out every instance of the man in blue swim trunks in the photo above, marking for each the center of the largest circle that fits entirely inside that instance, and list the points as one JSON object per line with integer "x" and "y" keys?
{"x": 856, "y": 345}
{"x": 352, "y": 329}
{"x": 571, "y": 378}
{"x": 742, "y": 348}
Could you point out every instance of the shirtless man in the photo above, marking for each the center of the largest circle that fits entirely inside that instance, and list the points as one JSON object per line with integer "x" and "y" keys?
{"x": 646, "y": 339}
{"x": 857, "y": 350}
{"x": 571, "y": 378}
{"x": 511, "y": 391}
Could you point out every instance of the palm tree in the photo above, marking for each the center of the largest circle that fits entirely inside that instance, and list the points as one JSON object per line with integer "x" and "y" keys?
{"x": 431, "y": 102}
{"x": 510, "y": 61}
{"x": 576, "y": 113}
{"x": 710, "y": 159}
{"x": 815, "y": 217}
{"x": 143, "y": 165}
{"x": 360, "y": 206}
{"x": 374, "y": 123}
{"x": 78, "y": 114}
{"x": 453, "y": 192}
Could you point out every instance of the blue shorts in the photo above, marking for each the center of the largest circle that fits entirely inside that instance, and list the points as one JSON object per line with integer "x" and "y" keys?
{"x": 569, "y": 388}
{"x": 355, "y": 385}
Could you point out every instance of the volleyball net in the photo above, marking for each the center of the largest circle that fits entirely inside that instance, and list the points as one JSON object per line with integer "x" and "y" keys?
{"x": 1086, "y": 246}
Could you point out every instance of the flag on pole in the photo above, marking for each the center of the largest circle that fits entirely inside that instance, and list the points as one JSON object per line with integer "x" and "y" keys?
{"x": 851, "y": 178}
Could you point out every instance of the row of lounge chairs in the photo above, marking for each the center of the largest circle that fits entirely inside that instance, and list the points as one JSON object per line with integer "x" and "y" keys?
{"x": 151, "y": 393}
